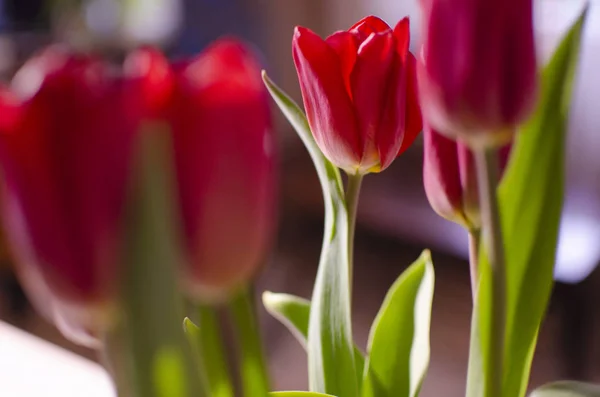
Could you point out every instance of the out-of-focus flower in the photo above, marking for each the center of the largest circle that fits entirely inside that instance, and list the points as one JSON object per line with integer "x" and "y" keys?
{"x": 359, "y": 91}
{"x": 450, "y": 178}
{"x": 224, "y": 150}
{"x": 66, "y": 132}
{"x": 477, "y": 78}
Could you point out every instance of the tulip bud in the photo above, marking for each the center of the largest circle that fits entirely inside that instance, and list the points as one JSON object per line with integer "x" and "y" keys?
{"x": 450, "y": 178}
{"x": 359, "y": 92}
{"x": 65, "y": 156}
{"x": 224, "y": 152}
{"x": 477, "y": 78}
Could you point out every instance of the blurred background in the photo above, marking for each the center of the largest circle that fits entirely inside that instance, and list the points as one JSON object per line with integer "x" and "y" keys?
{"x": 395, "y": 221}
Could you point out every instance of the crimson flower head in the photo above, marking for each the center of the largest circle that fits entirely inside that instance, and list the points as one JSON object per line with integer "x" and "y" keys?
{"x": 66, "y": 135}
{"x": 450, "y": 178}
{"x": 359, "y": 92}
{"x": 225, "y": 155}
{"x": 477, "y": 78}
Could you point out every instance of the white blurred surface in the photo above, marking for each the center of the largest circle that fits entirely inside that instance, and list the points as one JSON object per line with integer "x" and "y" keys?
{"x": 31, "y": 367}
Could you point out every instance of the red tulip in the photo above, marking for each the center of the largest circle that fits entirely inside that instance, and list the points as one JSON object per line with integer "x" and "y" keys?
{"x": 65, "y": 138}
{"x": 218, "y": 111}
{"x": 477, "y": 79}
{"x": 450, "y": 178}
{"x": 359, "y": 91}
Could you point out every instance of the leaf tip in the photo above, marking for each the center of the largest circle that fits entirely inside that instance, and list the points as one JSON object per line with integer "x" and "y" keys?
{"x": 266, "y": 79}
{"x": 426, "y": 256}
{"x": 188, "y": 325}
{"x": 268, "y": 299}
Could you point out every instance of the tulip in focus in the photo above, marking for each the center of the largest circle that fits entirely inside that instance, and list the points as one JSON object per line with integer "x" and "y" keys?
{"x": 477, "y": 75}
{"x": 359, "y": 92}
{"x": 66, "y": 133}
{"x": 218, "y": 110}
{"x": 450, "y": 178}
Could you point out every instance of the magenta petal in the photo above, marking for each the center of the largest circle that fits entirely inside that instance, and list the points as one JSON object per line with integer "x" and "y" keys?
{"x": 441, "y": 176}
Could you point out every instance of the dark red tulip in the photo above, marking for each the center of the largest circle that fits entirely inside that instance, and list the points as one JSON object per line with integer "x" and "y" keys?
{"x": 477, "y": 78}
{"x": 359, "y": 91}
{"x": 450, "y": 178}
{"x": 218, "y": 111}
{"x": 66, "y": 132}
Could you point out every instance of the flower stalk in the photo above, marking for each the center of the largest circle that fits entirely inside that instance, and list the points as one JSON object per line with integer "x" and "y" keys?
{"x": 352, "y": 196}
{"x": 487, "y": 173}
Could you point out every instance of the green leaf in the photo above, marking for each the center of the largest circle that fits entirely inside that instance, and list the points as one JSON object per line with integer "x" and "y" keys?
{"x": 152, "y": 302}
{"x": 169, "y": 370}
{"x": 293, "y": 312}
{"x": 252, "y": 365}
{"x": 530, "y": 199}
{"x": 567, "y": 389}
{"x": 298, "y": 394}
{"x": 399, "y": 341}
{"x": 208, "y": 348}
{"x": 331, "y": 366}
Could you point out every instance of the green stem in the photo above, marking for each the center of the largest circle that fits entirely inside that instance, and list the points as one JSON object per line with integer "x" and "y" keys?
{"x": 213, "y": 354}
{"x": 474, "y": 243}
{"x": 488, "y": 176}
{"x": 253, "y": 369}
{"x": 352, "y": 196}
{"x": 116, "y": 361}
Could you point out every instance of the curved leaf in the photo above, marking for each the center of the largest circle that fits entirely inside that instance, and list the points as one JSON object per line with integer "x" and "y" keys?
{"x": 399, "y": 341}
{"x": 298, "y": 394}
{"x": 331, "y": 367}
{"x": 567, "y": 389}
{"x": 293, "y": 312}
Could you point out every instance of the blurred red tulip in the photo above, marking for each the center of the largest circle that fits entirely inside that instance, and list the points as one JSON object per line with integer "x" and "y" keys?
{"x": 359, "y": 91}
{"x": 477, "y": 78}
{"x": 65, "y": 141}
{"x": 224, "y": 150}
{"x": 450, "y": 178}
{"x": 67, "y": 135}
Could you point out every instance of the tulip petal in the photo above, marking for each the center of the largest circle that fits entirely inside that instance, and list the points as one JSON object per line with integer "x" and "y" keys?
{"x": 66, "y": 166}
{"x": 368, "y": 25}
{"x": 519, "y": 79}
{"x": 402, "y": 37}
{"x": 413, "y": 123}
{"x": 441, "y": 175}
{"x": 370, "y": 82}
{"x": 395, "y": 134}
{"x": 149, "y": 69}
{"x": 345, "y": 45}
{"x": 328, "y": 107}
{"x": 221, "y": 125}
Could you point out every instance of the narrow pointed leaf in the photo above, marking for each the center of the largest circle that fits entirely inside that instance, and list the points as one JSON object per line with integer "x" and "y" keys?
{"x": 399, "y": 341}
